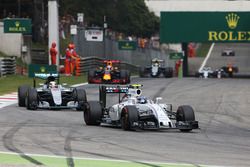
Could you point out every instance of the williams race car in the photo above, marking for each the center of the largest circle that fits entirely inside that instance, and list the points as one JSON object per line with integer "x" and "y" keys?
{"x": 50, "y": 95}
{"x": 109, "y": 74}
{"x": 136, "y": 111}
{"x": 156, "y": 69}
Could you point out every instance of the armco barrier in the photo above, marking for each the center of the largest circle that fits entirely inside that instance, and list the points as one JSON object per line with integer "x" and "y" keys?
{"x": 7, "y": 66}
{"x": 87, "y": 63}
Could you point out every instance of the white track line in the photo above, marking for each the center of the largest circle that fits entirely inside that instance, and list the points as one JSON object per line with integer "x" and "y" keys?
{"x": 207, "y": 57}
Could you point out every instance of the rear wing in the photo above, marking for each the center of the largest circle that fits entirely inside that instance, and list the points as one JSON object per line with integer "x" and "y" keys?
{"x": 117, "y": 89}
{"x": 104, "y": 90}
{"x": 46, "y": 76}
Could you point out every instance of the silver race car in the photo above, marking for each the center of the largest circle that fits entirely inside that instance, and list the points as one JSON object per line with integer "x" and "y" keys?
{"x": 50, "y": 95}
{"x": 136, "y": 111}
{"x": 156, "y": 69}
{"x": 228, "y": 52}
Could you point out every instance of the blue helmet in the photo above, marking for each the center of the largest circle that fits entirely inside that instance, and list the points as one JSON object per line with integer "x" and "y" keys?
{"x": 142, "y": 99}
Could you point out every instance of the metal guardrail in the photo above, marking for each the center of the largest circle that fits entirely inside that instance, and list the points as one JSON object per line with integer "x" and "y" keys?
{"x": 88, "y": 63}
{"x": 7, "y": 66}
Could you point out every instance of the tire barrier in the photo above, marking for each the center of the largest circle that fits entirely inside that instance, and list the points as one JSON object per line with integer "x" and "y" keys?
{"x": 7, "y": 66}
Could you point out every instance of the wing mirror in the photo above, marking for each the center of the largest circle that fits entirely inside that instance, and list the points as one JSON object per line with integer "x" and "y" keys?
{"x": 158, "y": 99}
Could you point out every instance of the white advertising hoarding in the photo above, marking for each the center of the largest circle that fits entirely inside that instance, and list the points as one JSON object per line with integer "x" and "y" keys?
{"x": 94, "y": 35}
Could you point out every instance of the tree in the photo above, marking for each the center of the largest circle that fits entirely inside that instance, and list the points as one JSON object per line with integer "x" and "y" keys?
{"x": 131, "y": 17}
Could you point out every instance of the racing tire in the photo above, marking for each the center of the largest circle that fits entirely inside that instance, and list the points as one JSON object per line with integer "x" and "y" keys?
{"x": 81, "y": 98}
{"x": 92, "y": 113}
{"x": 142, "y": 72}
{"x": 32, "y": 99}
{"x": 91, "y": 75}
{"x": 128, "y": 117}
{"x": 22, "y": 93}
{"x": 169, "y": 72}
{"x": 185, "y": 113}
{"x": 124, "y": 75}
{"x": 128, "y": 77}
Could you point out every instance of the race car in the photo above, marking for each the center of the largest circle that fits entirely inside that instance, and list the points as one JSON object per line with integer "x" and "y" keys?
{"x": 109, "y": 74}
{"x": 156, "y": 69}
{"x": 228, "y": 52}
{"x": 50, "y": 95}
{"x": 136, "y": 111}
{"x": 205, "y": 72}
{"x": 230, "y": 70}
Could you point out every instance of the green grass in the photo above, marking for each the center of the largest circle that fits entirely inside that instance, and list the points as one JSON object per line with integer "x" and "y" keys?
{"x": 10, "y": 83}
{"x": 15, "y": 159}
{"x": 203, "y": 50}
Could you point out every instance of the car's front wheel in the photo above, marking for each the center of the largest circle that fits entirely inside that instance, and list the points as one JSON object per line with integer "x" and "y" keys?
{"x": 185, "y": 114}
{"x": 128, "y": 117}
{"x": 32, "y": 99}
{"x": 22, "y": 92}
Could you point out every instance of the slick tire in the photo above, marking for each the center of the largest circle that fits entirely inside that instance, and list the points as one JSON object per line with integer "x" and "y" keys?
{"x": 92, "y": 113}
{"x": 91, "y": 75}
{"x": 22, "y": 92}
{"x": 31, "y": 99}
{"x": 81, "y": 98}
{"x": 128, "y": 117}
{"x": 185, "y": 113}
{"x": 124, "y": 74}
{"x": 169, "y": 72}
{"x": 142, "y": 72}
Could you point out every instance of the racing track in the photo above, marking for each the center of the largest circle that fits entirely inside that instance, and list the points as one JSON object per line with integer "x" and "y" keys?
{"x": 222, "y": 109}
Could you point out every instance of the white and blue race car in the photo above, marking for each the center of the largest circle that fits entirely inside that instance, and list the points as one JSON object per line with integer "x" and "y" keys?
{"x": 135, "y": 111}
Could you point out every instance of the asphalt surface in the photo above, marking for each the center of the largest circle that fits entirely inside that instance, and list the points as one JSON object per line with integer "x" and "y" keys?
{"x": 241, "y": 58}
{"x": 221, "y": 107}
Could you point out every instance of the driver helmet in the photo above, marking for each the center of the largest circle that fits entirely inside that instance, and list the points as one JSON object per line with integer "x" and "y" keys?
{"x": 142, "y": 99}
{"x": 52, "y": 84}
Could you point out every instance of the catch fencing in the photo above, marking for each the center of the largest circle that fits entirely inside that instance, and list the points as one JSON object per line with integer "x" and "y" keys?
{"x": 108, "y": 49}
{"x": 7, "y": 66}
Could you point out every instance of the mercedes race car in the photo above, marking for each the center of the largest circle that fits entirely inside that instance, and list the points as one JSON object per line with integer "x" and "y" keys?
{"x": 109, "y": 74}
{"x": 136, "y": 111}
{"x": 156, "y": 69}
{"x": 50, "y": 95}
{"x": 228, "y": 52}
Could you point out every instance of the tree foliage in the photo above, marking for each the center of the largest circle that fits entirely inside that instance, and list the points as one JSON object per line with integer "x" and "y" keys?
{"x": 132, "y": 17}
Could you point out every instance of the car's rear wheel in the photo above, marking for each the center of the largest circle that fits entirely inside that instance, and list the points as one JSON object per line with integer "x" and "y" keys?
{"x": 124, "y": 74}
{"x": 92, "y": 113}
{"x": 81, "y": 98}
{"x": 142, "y": 72}
{"x": 168, "y": 72}
{"x": 22, "y": 92}
{"x": 185, "y": 113}
{"x": 32, "y": 99}
{"x": 128, "y": 117}
{"x": 91, "y": 75}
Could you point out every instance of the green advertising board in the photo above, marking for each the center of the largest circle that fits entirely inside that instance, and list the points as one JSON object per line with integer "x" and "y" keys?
{"x": 17, "y": 25}
{"x": 176, "y": 27}
{"x": 176, "y": 56}
{"x": 127, "y": 45}
{"x": 37, "y": 68}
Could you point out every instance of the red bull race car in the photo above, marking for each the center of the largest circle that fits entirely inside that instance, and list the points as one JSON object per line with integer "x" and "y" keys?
{"x": 110, "y": 73}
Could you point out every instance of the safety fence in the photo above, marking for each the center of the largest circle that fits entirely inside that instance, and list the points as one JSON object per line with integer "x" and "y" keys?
{"x": 83, "y": 65}
{"x": 7, "y": 66}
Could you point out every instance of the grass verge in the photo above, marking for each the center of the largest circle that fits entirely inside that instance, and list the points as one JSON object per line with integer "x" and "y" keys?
{"x": 10, "y": 83}
{"x": 23, "y": 159}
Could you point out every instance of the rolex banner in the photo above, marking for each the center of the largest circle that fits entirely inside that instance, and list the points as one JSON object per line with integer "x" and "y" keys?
{"x": 179, "y": 27}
